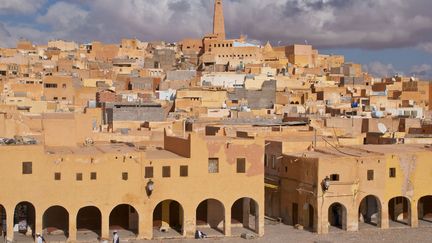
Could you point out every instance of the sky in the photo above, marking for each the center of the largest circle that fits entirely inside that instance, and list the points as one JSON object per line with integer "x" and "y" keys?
{"x": 386, "y": 36}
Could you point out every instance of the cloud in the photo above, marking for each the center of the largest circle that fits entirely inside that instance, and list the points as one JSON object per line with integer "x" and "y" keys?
{"x": 20, "y": 6}
{"x": 427, "y": 47}
{"x": 424, "y": 70}
{"x": 64, "y": 18}
{"x": 380, "y": 69}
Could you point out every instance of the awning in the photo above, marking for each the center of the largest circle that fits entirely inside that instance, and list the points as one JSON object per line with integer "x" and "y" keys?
{"x": 271, "y": 186}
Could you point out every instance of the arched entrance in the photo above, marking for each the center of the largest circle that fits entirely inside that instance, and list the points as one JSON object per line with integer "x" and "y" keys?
{"x": 369, "y": 212}
{"x": 210, "y": 217}
{"x": 244, "y": 215}
{"x": 3, "y": 229}
{"x": 124, "y": 218}
{"x": 310, "y": 217}
{"x": 424, "y": 209}
{"x": 168, "y": 219}
{"x": 399, "y": 211}
{"x": 89, "y": 222}
{"x": 337, "y": 216}
{"x": 24, "y": 220}
{"x": 55, "y": 223}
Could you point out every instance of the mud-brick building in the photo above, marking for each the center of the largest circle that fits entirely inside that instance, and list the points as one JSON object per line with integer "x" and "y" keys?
{"x": 351, "y": 188}
{"x": 215, "y": 184}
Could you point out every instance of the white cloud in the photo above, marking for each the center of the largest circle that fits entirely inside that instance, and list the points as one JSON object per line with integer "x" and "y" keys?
{"x": 424, "y": 70}
{"x": 20, "y": 6}
{"x": 64, "y": 17}
{"x": 380, "y": 69}
{"x": 427, "y": 47}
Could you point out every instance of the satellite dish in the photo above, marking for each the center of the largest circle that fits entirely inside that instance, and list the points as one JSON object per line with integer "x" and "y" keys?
{"x": 382, "y": 128}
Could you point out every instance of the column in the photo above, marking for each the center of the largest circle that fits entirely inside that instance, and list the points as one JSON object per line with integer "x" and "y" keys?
{"x": 189, "y": 222}
{"x": 72, "y": 227}
{"x": 145, "y": 224}
{"x": 165, "y": 215}
{"x": 9, "y": 224}
{"x": 259, "y": 218}
{"x": 246, "y": 212}
{"x": 227, "y": 221}
{"x": 105, "y": 226}
{"x": 384, "y": 214}
{"x": 38, "y": 222}
{"x": 413, "y": 214}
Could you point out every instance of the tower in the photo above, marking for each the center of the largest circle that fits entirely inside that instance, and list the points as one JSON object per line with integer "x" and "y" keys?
{"x": 218, "y": 20}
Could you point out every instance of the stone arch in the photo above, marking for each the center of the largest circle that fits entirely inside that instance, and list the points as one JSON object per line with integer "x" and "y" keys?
{"x": 168, "y": 215}
{"x": 337, "y": 216}
{"x": 399, "y": 211}
{"x": 89, "y": 220}
{"x": 25, "y": 218}
{"x": 124, "y": 218}
{"x": 245, "y": 214}
{"x": 370, "y": 211}
{"x": 3, "y": 218}
{"x": 210, "y": 216}
{"x": 55, "y": 221}
{"x": 424, "y": 208}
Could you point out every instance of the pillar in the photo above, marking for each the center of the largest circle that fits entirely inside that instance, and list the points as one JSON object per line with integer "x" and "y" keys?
{"x": 227, "y": 221}
{"x": 246, "y": 212}
{"x": 9, "y": 224}
{"x": 105, "y": 225}
{"x": 165, "y": 215}
{"x": 72, "y": 226}
{"x": 352, "y": 219}
{"x": 413, "y": 214}
{"x": 145, "y": 225}
{"x": 38, "y": 222}
{"x": 189, "y": 222}
{"x": 384, "y": 214}
{"x": 259, "y": 218}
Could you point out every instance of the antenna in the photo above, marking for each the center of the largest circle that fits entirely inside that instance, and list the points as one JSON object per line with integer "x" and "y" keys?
{"x": 382, "y": 128}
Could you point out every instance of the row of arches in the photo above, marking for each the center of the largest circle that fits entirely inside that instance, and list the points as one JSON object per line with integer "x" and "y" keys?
{"x": 168, "y": 219}
{"x": 370, "y": 212}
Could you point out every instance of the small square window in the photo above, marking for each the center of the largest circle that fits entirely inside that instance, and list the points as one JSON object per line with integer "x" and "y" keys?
{"x": 64, "y": 86}
{"x": 57, "y": 176}
{"x": 93, "y": 176}
{"x": 213, "y": 165}
{"x": 125, "y": 176}
{"x": 27, "y": 168}
{"x": 334, "y": 177}
{"x": 166, "y": 171}
{"x": 241, "y": 165}
{"x": 370, "y": 175}
{"x": 392, "y": 172}
{"x": 79, "y": 176}
{"x": 184, "y": 171}
{"x": 148, "y": 173}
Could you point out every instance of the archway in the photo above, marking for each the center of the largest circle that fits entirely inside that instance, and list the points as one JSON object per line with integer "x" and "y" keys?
{"x": 168, "y": 219}
{"x": 369, "y": 212}
{"x": 424, "y": 209}
{"x": 24, "y": 220}
{"x": 399, "y": 211}
{"x": 244, "y": 215}
{"x": 124, "y": 218}
{"x": 337, "y": 216}
{"x": 3, "y": 229}
{"x": 89, "y": 222}
{"x": 310, "y": 217}
{"x": 210, "y": 217}
{"x": 55, "y": 223}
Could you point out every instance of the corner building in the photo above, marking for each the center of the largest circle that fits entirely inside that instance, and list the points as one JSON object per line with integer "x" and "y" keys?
{"x": 215, "y": 184}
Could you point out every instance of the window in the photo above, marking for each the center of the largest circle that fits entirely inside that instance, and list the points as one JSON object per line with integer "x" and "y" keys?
{"x": 241, "y": 165}
{"x": 265, "y": 160}
{"x": 79, "y": 176}
{"x": 273, "y": 160}
{"x": 57, "y": 176}
{"x": 48, "y": 85}
{"x": 213, "y": 165}
{"x": 370, "y": 175}
{"x": 334, "y": 177}
{"x": 93, "y": 176}
{"x": 63, "y": 98}
{"x": 183, "y": 171}
{"x": 64, "y": 86}
{"x": 55, "y": 98}
{"x": 286, "y": 169}
{"x": 166, "y": 171}
{"x": 148, "y": 173}
{"x": 27, "y": 168}
{"x": 125, "y": 176}
{"x": 392, "y": 172}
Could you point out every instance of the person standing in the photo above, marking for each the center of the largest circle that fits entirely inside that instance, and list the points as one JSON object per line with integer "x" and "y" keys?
{"x": 116, "y": 237}
{"x": 39, "y": 238}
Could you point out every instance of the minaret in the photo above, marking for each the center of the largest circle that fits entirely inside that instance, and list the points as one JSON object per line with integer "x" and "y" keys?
{"x": 218, "y": 20}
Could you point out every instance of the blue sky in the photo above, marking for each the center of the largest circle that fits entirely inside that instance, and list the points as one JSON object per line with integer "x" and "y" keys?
{"x": 386, "y": 36}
